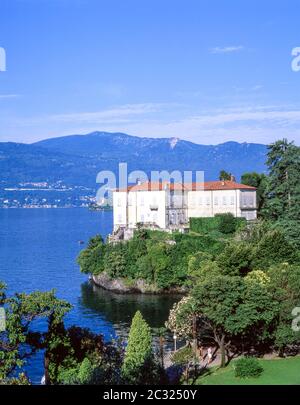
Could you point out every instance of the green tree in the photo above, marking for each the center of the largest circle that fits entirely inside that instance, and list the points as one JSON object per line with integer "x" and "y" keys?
{"x": 115, "y": 261}
{"x": 138, "y": 360}
{"x": 158, "y": 255}
{"x": 180, "y": 320}
{"x": 88, "y": 360}
{"x": 260, "y": 182}
{"x": 200, "y": 266}
{"x": 285, "y": 288}
{"x": 91, "y": 259}
{"x": 19, "y": 342}
{"x": 230, "y": 307}
{"x": 236, "y": 259}
{"x": 273, "y": 248}
{"x": 283, "y": 188}
{"x": 224, "y": 175}
{"x": 86, "y": 371}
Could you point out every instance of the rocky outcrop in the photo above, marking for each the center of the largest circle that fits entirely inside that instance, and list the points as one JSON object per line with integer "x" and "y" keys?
{"x": 124, "y": 286}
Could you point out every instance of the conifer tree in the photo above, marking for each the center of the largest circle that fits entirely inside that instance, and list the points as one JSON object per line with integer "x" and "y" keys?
{"x": 138, "y": 359}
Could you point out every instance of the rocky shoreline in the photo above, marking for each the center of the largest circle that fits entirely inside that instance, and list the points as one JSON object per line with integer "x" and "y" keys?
{"x": 124, "y": 286}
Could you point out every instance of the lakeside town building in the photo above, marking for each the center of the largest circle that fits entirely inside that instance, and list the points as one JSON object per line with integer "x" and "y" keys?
{"x": 167, "y": 205}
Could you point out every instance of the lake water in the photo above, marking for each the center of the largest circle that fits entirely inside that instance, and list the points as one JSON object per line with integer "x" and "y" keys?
{"x": 38, "y": 250}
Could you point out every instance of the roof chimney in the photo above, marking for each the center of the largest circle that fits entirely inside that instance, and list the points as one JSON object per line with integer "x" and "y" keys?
{"x": 138, "y": 182}
{"x": 232, "y": 178}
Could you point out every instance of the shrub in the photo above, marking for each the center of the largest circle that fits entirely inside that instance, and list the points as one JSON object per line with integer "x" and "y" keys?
{"x": 227, "y": 223}
{"x": 86, "y": 372}
{"x": 273, "y": 248}
{"x": 223, "y": 223}
{"x": 204, "y": 225}
{"x": 236, "y": 259}
{"x": 148, "y": 256}
{"x": 182, "y": 356}
{"x": 247, "y": 367}
{"x": 68, "y": 376}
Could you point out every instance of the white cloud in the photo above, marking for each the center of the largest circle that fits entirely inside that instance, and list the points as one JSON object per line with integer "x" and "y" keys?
{"x": 119, "y": 113}
{"x": 4, "y": 96}
{"x": 250, "y": 123}
{"x": 261, "y": 124}
{"x": 227, "y": 49}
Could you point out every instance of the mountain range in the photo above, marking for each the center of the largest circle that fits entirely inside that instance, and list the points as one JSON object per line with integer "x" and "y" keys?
{"x": 75, "y": 160}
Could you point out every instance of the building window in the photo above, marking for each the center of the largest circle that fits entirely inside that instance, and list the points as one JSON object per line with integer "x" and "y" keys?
{"x": 224, "y": 200}
{"x": 129, "y": 199}
{"x": 216, "y": 201}
{"x": 207, "y": 201}
{"x": 193, "y": 201}
{"x": 119, "y": 202}
{"x": 232, "y": 200}
{"x": 244, "y": 200}
{"x": 142, "y": 201}
{"x": 142, "y": 218}
{"x": 120, "y": 218}
{"x": 200, "y": 201}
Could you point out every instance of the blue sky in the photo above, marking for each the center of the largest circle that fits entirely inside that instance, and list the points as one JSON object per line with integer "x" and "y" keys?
{"x": 205, "y": 71}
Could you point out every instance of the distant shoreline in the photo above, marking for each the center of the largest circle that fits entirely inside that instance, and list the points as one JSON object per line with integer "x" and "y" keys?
{"x": 46, "y": 208}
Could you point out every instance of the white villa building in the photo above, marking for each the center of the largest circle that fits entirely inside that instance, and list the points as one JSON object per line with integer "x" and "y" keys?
{"x": 170, "y": 205}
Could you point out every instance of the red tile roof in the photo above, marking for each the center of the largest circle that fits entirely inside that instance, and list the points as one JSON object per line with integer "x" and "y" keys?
{"x": 208, "y": 185}
{"x": 218, "y": 185}
{"x": 154, "y": 186}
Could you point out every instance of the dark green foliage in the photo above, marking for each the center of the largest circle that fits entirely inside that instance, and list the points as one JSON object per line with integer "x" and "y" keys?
{"x": 90, "y": 259}
{"x": 59, "y": 352}
{"x": 224, "y": 175}
{"x": 227, "y": 223}
{"x": 148, "y": 256}
{"x": 285, "y": 288}
{"x": 204, "y": 225}
{"x": 236, "y": 258}
{"x": 115, "y": 260}
{"x": 283, "y": 188}
{"x": 262, "y": 248}
{"x": 73, "y": 355}
{"x": 273, "y": 248}
{"x": 77, "y": 355}
{"x": 85, "y": 373}
{"x": 19, "y": 342}
{"x": 230, "y": 306}
{"x": 247, "y": 367}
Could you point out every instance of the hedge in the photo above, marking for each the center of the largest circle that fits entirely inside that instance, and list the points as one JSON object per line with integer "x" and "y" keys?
{"x": 224, "y": 223}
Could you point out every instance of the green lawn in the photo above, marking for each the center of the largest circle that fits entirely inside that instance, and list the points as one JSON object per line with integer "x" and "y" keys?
{"x": 276, "y": 372}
